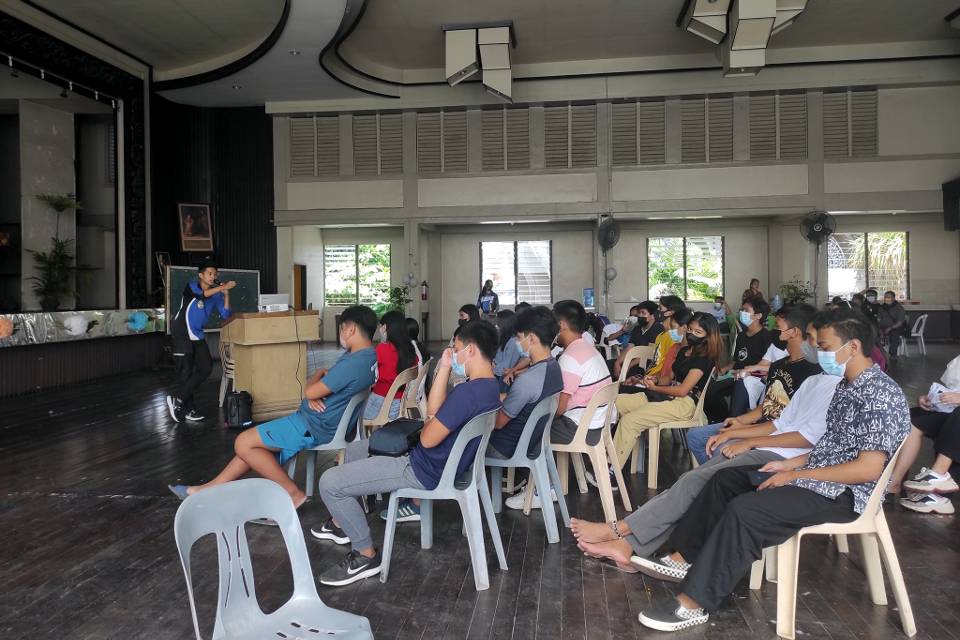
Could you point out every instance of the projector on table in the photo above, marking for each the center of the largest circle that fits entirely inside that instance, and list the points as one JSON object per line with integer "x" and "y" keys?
{"x": 273, "y": 302}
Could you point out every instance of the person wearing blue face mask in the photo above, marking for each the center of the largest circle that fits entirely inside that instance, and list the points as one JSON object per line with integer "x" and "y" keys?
{"x": 421, "y": 468}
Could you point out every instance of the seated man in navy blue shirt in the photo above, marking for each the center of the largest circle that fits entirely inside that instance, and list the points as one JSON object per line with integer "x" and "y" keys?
{"x": 361, "y": 475}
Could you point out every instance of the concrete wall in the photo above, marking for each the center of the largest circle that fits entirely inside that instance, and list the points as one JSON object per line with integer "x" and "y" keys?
{"x": 46, "y": 166}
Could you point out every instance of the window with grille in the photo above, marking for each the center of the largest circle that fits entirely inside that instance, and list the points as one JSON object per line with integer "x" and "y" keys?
{"x": 521, "y": 270}
{"x": 876, "y": 260}
{"x": 690, "y": 267}
{"x": 356, "y": 274}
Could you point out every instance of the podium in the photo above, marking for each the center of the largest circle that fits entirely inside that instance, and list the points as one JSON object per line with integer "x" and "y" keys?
{"x": 270, "y": 357}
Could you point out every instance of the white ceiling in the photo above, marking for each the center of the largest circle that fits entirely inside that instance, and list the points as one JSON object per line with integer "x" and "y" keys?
{"x": 174, "y": 36}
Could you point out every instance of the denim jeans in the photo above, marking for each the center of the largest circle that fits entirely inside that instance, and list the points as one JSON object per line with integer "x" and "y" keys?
{"x": 697, "y": 440}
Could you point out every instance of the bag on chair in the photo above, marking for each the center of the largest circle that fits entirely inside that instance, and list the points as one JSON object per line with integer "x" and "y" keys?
{"x": 238, "y": 410}
{"x": 395, "y": 438}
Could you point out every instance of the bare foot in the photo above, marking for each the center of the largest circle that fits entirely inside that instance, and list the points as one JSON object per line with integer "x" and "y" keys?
{"x": 591, "y": 531}
{"x": 617, "y": 550}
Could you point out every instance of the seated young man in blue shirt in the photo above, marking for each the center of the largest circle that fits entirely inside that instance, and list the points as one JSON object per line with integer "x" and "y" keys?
{"x": 472, "y": 354}
{"x": 200, "y": 298}
{"x": 266, "y": 448}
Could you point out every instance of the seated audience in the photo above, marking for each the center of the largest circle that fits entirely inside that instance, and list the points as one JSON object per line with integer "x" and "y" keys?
{"x": 749, "y": 381}
{"x": 520, "y": 307}
{"x": 733, "y": 520}
{"x": 361, "y": 474}
{"x": 938, "y": 418}
{"x": 782, "y": 380}
{"x": 721, "y": 311}
{"x": 673, "y": 324}
{"x": 699, "y": 350}
{"x": 667, "y": 306}
{"x": 798, "y": 428}
{"x": 269, "y": 446}
{"x": 395, "y": 354}
{"x": 866, "y": 303}
{"x": 620, "y": 331}
{"x": 508, "y": 353}
{"x": 467, "y": 313}
{"x": 891, "y": 322}
{"x": 752, "y": 342}
{"x": 644, "y": 333}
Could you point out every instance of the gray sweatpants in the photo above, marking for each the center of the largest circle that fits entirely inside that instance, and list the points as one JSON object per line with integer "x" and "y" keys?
{"x": 362, "y": 475}
{"x": 652, "y": 524}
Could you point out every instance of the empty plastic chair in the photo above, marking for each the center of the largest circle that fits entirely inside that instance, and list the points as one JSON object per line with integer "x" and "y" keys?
{"x": 222, "y": 511}
{"x": 543, "y": 468}
{"x": 469, "y": 490}
{"x": 350, "y": 418}
{"x": 919, "y": 327}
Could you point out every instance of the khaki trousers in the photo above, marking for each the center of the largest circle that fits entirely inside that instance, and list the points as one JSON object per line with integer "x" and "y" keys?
{"x": 638, "y": 414}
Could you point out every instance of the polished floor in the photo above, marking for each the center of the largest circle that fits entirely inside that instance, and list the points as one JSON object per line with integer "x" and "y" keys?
{"x": 88, "y": 549}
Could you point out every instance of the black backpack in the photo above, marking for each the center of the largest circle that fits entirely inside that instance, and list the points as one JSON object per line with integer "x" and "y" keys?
{"x": 238, "y": 410}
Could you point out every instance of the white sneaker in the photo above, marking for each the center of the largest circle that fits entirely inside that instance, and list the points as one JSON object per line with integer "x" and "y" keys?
{"x": 592, "y": 481}
{"x": 516, "y": 500}
{"x": 929, "y": 481}
{"x": 927, "y": 503}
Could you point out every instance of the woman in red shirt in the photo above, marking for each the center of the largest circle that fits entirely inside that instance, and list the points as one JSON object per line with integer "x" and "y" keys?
{"x": 395, "y": 354}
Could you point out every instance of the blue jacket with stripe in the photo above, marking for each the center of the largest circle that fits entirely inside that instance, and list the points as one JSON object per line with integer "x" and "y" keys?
{"x": 194, "y": 312}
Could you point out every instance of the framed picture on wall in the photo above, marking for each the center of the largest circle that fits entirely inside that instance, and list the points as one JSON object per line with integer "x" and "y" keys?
{"x": 196, "y": 227}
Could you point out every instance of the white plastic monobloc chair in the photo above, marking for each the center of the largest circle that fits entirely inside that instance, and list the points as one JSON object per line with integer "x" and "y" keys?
{"x": 872, "y": 528}
{"x": 222, "y": 511}
{"x": 919, "y": 327}
{"x": 383, "y": 417}
{"x": 640, "y": 355}
{"x": 227, "y": 367}
{"x": 543, "y": 468}
{"x": 352, "y": 414}
{"x": 414, "y": 404}
{"x": 470, "y": 491}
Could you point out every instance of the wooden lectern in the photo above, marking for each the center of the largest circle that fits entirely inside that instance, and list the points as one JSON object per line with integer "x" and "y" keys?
{"x": 270, "y": 357}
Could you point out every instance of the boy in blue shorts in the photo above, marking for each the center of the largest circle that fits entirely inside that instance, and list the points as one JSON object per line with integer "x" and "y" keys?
{"x": 266, "y": 448}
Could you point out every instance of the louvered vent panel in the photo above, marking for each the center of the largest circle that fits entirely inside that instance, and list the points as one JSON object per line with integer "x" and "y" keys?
{"x": 391, "y": 143}
{"x": 651, "y": 132}
{"x": 454, "y": 141}
{"x": 793, "y": 126}
{"x": 835, "y": 125}
{"x": 428, "y": 142}
{"x": 624, "y": 133}
{"x": 763, "y": 127}
{"x": 365, "y": 145}
{"x": 328, "y": 146}
{"x": 555, "y": 137}
{"x": 692, "y": 131}
{"x": 720, "y": 119}
{"x": 492, "y": 136}
{"x": 518, "y": 138}
{"x": 302, "y": 147}
{"x": 863, "y": 123}
{"x": 583, "y": 135}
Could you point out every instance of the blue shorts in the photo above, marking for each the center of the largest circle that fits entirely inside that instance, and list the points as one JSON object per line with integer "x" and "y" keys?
{"x": 289, "y": 434}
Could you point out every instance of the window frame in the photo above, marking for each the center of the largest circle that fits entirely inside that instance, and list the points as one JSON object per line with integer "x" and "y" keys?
{"x": 356, "y": 272}
{"x": 516, "y": 272}
{"x": 686, "y": 287}
{"x": 866, "y": 260}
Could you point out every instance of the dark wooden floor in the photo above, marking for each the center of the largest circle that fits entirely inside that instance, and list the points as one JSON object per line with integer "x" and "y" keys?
{"x": 88, "y": 549}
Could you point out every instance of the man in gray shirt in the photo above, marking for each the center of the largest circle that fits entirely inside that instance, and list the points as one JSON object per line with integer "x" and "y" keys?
{"x": 891, "y": 319}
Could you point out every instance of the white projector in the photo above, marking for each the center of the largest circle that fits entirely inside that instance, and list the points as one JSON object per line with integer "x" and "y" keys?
{"x": 271, "y": 308}
{"x": 273, "y": 302}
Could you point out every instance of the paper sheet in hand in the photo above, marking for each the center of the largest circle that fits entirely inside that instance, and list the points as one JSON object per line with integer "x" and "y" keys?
{"x": 934, "y": 394}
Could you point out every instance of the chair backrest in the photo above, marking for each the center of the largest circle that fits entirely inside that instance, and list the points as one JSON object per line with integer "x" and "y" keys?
{"x": 402, "y": 378}
{"x": 698, "y": 413}
{"x": 643, "y": 354}
{"x": 411, "y": 393}
{"x": 226, "y": 356}
{"x": 222, "y": 511}
{"x": 542, "y": 413}
{"x": 480, "y": 426}
{"x": 875, "y": 503}
{"x": 606, "y": 395}
{"x": 919, "y": 326}
{"x": 352, "y": 414}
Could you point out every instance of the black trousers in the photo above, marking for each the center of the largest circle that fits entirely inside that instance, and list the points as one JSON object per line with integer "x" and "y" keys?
{"x": 730, "y": 524}
{"x": 944, "y": 430}
{"x": 715, "y": 404}
{"x": 193, "y": 367}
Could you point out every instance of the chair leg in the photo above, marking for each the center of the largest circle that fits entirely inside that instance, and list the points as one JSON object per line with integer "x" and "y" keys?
{"x": 843, "y": 546}
{"x": 311, "y": 471}
{"x": 492, "y": 524}
{"x": 771, "y": 565}
{"x": 511, "y": 473}
{"x": 496, "y": 482}
{"x": 922, "y": 345}
{"x": 426, "y": 524}
{"x": 578, "y": 471}
{"x": 292, "y": 467}
{"x": 756, "y": 570}
{"x": 635, "y": 457}
{"x": 615, "y": 464}
{"x": 788, "y": 557}
{"x": 653, "y": 456}
{"x": 539, "y": 469}
{"x": 223, "y": 389}
{"x": 563, "y": 469}
{"x": 599, "y": 459}
{"x": 555, "y": 482}
{"x": 871, "y": 566}
{"x": 889, "y": 555}
{"x": 473, "y": 524}
{"x": 388, "y": 532}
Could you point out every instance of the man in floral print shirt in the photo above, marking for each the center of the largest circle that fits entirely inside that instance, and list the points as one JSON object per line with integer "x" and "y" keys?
{"x": 730, "y": 523}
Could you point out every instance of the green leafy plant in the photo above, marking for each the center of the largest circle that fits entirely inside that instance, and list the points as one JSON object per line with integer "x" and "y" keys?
{"x": 59, "y": 202}
{"x": 796, "y": 291}
{"x": 55, "y": 267}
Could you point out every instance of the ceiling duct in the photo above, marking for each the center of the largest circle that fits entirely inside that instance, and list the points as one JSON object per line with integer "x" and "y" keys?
{"x": 461, "y": 58}
{"x": 787, "y": 12}
{"x": 494, "y": 45}
{"x": 743, "y": 52}
{"x": 707, "y": 19}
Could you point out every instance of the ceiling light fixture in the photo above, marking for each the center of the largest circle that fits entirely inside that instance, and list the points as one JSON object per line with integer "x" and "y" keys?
{"x": 707, "y": 19}
{"x": 461, "y": 55}
{"x": 494, "y": 46}
{"x": 787, "y": 12}
{"x": 744, "y": 52}
{"x": 237, "y": 87}
{"x": 476, "y": 46}
{"x": 294, "y": 52}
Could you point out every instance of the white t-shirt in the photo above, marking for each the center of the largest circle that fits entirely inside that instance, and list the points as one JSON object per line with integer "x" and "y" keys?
{"x": 774, "y": 353}
{"x": 806, "y": 413}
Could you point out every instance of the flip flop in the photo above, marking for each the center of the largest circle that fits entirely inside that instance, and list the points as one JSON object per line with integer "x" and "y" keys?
{"x": 630, "y": 568}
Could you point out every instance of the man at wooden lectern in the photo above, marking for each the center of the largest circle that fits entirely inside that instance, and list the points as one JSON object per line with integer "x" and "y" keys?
{"x": 190, "y": 352}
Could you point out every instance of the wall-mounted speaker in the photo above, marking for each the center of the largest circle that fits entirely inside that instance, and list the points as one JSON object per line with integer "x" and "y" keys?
{"x": 951, "y": 205}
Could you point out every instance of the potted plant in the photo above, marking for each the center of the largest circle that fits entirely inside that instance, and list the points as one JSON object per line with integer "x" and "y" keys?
{"x": 55, "y": 267}
{"x": 796, "y": 291}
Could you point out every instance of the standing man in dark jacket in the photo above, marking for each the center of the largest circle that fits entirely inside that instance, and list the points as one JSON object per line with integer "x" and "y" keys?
{"x": 190, "y": 352}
